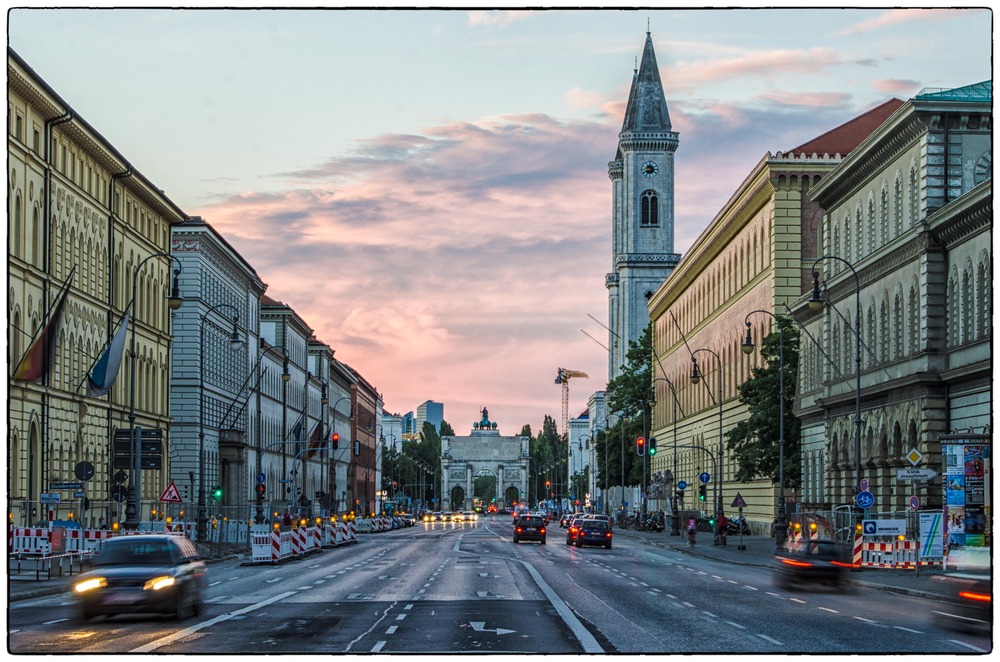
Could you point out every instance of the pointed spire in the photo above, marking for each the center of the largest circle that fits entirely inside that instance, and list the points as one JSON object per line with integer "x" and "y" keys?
{"x": 647, "y": 107}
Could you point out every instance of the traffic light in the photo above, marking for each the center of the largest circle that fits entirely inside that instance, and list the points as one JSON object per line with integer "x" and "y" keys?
{"x": 261, "y": 489}
{"x": 335, "y": 441}
{"x": 701, "y": 492}
{"x": 217, "y": 493}
{"x": 357, "y": 448}
{"x": 640, "y": 446}
{"x": 652, "y": 446}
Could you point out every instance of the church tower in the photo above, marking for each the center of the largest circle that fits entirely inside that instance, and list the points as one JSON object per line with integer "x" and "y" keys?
{"x": 642, "y": 177}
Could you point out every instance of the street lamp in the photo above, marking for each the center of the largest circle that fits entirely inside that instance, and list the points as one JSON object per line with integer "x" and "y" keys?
{"x": 695, "y": 378}
{"x": 324, "y": 400}
{"x": 285, "y": 376}
{"x": 234, "y": 342}
{"x": 675, "y": 520}
{"x": 350, "y": 417}
{"x": 134, "y": 488}
{"x": 816, "y": 304}
{"x": 780, "y": 524}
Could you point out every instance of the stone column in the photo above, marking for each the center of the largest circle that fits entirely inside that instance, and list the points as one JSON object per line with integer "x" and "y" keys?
{"x": 467, "y": 503}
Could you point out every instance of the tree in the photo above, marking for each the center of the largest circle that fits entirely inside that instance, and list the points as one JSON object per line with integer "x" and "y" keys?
{"x": 753, "y": 442}
{"x": 628, "y": 396}
{"x": 446, "y": 429}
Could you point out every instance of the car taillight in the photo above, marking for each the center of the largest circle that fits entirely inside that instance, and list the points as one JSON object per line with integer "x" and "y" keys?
{"x": 797, "y": 564}
{"x": 607, "y": 535}
{"x": 518, "y": 529}
{"x": 572, "y": 529}
{"x": 542, "y": 530}
{"x": 978, "y": 597}
{"x": 844, "y": 565}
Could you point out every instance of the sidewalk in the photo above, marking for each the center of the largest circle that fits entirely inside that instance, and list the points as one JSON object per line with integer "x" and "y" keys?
{"x": 760, "y": 552}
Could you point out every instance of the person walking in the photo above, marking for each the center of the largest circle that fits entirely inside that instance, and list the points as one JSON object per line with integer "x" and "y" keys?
{"x": 692, "y": 530}
{"x": 723, "y": 530}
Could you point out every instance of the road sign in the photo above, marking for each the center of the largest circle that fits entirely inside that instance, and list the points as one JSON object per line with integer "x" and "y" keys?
{"x": 704, "y": 477}
{"x": 261, "y": 477}
{"x": 864, "y": 484}
{"x": 84, "y": 470}
{"x": 171, "y": 494}
{"x": 914, "y": 456}
{"x": 913, "y": 473}
{"x": 738, "y": 502}
{"x": 682, "y": 485}
{"x": 50, "y": 497}
{"x": 119, "y": 493}
{"x": 120, "y": 476}
{"x": 864, "y": 500}
{"x": 883, "y": 527}
{"x": 65, "y": 486}
{"x": 914, "y": 502}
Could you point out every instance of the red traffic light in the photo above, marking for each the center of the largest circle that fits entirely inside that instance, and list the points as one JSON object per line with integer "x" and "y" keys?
{"x": 335, "y": 440}
{"x": 640, "y": 445}
{"x": 261, "y": 488}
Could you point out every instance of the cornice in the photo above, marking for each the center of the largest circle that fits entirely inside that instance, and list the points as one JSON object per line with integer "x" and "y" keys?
{"x": 968, "y": 215}
{"x": 639, "y": 259}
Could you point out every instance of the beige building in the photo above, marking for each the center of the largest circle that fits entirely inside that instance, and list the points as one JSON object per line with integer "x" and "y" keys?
{"x": 911, "y": 211}
{"x": 747, "y": 259}
{"x": 78, "y": 210}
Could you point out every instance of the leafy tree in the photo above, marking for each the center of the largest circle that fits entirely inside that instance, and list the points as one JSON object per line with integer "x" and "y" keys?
{"x": 446, "y": 429}
{"x": 628, "y": 396}
{"x": 753, "y": 442}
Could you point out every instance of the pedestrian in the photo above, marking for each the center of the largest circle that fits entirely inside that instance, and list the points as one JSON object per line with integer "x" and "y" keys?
{"x": 692, "y": 530}
{"x": 723, "y": 529}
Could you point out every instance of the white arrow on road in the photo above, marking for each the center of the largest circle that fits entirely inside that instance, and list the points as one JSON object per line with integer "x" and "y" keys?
{"x": 480, "y": 626}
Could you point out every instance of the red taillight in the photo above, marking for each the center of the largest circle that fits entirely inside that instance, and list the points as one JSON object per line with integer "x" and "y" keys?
{"x": 797, "y": 564}
{"x": 844, "y": 565}
{"x": 572, "y": 529}
{"x": 542, "y": 530}
{"x": 518, "y": 529}
{"x": 978, "y": 597}
{"x": 607, "y": 535}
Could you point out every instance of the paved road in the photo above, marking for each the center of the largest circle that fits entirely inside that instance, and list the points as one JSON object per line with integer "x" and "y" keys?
{"x": 463, "y": 587}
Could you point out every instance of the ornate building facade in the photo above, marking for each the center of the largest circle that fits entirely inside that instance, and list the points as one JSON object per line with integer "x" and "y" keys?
{"x": 906, "y": 237}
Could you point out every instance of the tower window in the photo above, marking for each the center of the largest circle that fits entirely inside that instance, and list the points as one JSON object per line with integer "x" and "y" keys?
{"x": 650, "y": 210}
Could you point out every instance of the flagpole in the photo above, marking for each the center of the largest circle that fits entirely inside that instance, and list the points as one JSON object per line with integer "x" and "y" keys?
{"x": 107, "y": 344}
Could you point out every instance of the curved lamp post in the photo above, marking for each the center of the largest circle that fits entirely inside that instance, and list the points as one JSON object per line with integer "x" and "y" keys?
{"x": 234, "y": 343}
{"x": 134, "y": 488}
{"x": 675, "y": 520}
{"x": 695, "y": 378}
{"x": 780, "y": 523}
{"x": 816, "y": 304}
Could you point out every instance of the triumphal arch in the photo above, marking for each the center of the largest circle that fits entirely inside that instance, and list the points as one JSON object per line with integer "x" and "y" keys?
{"x": 484, "y": 452}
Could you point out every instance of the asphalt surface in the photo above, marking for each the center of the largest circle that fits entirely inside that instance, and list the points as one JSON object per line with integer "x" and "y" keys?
{"x": 757, "y": 551}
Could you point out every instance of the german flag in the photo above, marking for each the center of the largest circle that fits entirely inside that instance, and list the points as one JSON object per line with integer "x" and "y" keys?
{"x": 37, "y": 361}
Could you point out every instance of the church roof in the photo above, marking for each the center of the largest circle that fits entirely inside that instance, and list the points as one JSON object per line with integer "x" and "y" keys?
{"x": 844, "y": 138}
{"x": 647, "y": 107}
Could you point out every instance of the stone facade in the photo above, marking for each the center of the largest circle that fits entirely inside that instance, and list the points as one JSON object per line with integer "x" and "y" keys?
{"x": 483, "y": 452}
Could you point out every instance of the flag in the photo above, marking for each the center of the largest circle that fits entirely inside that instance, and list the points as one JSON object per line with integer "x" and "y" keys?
{"x": 315, "y": 441}
{"x": 102, "y": 376}
{"x": 38, "y": 359}
{"x": 296, "y": 435}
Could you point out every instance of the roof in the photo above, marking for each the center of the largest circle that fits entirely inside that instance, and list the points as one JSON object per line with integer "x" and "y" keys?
{"x": 647, "y": 107}
{"x": 846, "y": 137}
{"x": 976, "y": 92}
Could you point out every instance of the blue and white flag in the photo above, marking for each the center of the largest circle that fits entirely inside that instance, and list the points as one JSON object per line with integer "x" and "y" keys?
{"x": 105, "y": 371}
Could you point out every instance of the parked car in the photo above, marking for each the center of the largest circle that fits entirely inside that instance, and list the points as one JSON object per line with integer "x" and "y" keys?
{"x": 529, "y": 527}
{"x": 806, "y": 562}
{"x": 142, "y": 573}
{"x": 593, "y": 532}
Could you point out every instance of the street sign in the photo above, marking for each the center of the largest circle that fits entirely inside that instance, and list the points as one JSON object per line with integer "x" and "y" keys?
{"x": 883, "y": 527}
{"x": 261, "y": 477}
{"x": 171, "y": 494}
{"x": 79, "y": 495}
{"x": 65, "y": 486}
{"x": 119, "y": 493}
{"x": 50, "y": 497}
{"x": 704, "y": 477}
{"x": 864, "y": 500}
{"x": 84, "y": 470}
{"x": 120, "y": 476}
{"x": 738, "y": 502}
{"x": 682, "y": 485}
{"x": 914, "y": 502}
{"x": 864, "y": 485}
{"x": 915, "y": 474}
{"x": 914, "y": 456}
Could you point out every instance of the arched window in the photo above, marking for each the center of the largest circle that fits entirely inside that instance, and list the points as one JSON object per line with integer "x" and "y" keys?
{"x": 897, "y": 325}
{"x": 36, "y": 239}
{"x": 836, "y": 342}
{"x": 913, "y": 322}
{"x": 914, "y": 197}
{"x": 16, "y": 247}
{"x": 983, "y": 290}
{"x": 883, "y": 221}
{"x": 871, "y": 226}
{"x": 847, "y": 237}
{"x": 897, "y": 203}
{"x": 650, "y": 209}
{"x": 884, "y": 334}
{"x": 849, "y": 341}
{"x": 859, "y": 232}
{"x": 870, "y": 336}
{"x": 968, "y": 309}
{"x": 954, "y": 310}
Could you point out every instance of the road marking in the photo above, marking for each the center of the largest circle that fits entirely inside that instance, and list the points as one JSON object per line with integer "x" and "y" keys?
{"x": 656, "y": 589}
{"x": 750, "y": 587}
{"x": 767, "y": 638}
{"x": 708, "y": 613}
{"x": 651, "y": 592}
{"x": 407, "y": 607}
{"x": 58, "y": 620}
{"x": 900, "y": 627}
{"x": 378, "y": 647}
{"x": 186, "y": 632}
{"x": 776, "y": 595}
{"x": 688, "y": 604}
{"x": 732, "y": 582}
{"x": 717, "y": 577}
{"x": 401, "y": 617}
{"x": 736, "y": 625}
{"x": 644, "y": 584}
{"x": 865, "y": 619}
{"x": 801, "y": 602}
{"x": 220, "y": 581}
{"x": 672, "y": 597}
{"x": 391, "y": 630}
{"x": 304, "y": 588}
{"x": 834, "y": 611}
{"x": 962, "y": 643}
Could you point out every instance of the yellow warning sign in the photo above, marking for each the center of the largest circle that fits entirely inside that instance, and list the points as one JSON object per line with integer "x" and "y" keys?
{"x": 171, "y": 494}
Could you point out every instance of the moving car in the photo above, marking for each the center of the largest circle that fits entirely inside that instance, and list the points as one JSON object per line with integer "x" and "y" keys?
{"x": 593, "y": 532}
{"x": 447, "y": 516}
{"x": 603, "y": 518}
{"x": 573, "y": 530}
{"x": 143, "y": 573}
{"x": 819, "y": 561}
{"x": 468, "y": 516}
{"x": 529, "y": 527}
{"x": 969, "y": 589}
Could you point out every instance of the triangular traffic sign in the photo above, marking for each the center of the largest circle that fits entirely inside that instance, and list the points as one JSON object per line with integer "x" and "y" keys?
{"x": 738, "y": 502}
{"x": 171, "y": 494}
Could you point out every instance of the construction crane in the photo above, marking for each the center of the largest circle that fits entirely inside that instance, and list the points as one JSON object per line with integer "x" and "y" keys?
{"x": 563, "y": 377}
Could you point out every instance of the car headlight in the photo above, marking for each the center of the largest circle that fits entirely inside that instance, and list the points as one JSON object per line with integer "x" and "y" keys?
{"x": 90, "y": 584}
{"x": 158, "y": 583}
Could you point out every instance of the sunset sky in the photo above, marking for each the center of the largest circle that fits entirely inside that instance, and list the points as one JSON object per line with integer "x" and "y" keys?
{"x": 429, "y": 189}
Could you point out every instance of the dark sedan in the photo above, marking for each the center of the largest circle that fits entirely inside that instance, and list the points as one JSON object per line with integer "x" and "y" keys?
{"x": 593, "y": 532}
{"x": 811, "y": 562}
{"x": 143, "y": 573}
{"x": 529, "y": 527}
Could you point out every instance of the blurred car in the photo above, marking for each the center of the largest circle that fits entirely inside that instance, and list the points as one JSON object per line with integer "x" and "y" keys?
{"x": 529, "y": 527}
{"x": 544, "y": 515}
{"x": 469, "y": 516}
{"x": 573, "y": 530}
{"x": 428, "y": 517}
{"x": 447, "y": 516}
{"x": 593, "y": 532}
{"x": 819, "y": 561}
{"x": 408, "y": 520}
{"x": 968, "y": 588}
{"x": 503, "y": 511}
{"x": 142, "y": 573}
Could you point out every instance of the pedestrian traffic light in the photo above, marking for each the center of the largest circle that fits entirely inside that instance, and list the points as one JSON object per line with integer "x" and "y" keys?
{"x": 335, "y": 441}
{"x": 701, "y": 492}
{"x": 261, "y": 489}
{"x": 652, "y": 446}
{"x": 640, "y": 446}
{"x": 217, "y": 493}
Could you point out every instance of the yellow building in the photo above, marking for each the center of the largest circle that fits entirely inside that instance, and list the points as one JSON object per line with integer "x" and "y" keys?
{"x": 747, "y": 259}
{"x": 79, "y": 211}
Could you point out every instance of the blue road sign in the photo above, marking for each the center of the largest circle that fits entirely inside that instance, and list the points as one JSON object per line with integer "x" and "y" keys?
{"x": 864, "y": 500}
{"x": 869, "y": 527}
{"x": 261, "y": 477}
{"x": 704, "y": 477}
{"x": 682, "y": 485}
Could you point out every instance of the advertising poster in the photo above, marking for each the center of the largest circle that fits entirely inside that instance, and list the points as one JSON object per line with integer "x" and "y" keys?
{"x": 956, "y": 525}
{"x": 954, "y": 459}
{"x": 931, "y": 536}
{"x": 965, "y": 480}
{"x": 955, "y": 490}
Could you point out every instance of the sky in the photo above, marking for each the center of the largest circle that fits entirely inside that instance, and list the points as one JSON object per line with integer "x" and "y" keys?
{"x": 429, "y": 190}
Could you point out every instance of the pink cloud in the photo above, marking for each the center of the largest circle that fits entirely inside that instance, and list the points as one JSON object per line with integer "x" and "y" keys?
{"x": 893, "y": 17}
{"x": 897, "y": 86}
{"x": 687, "y": 76}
